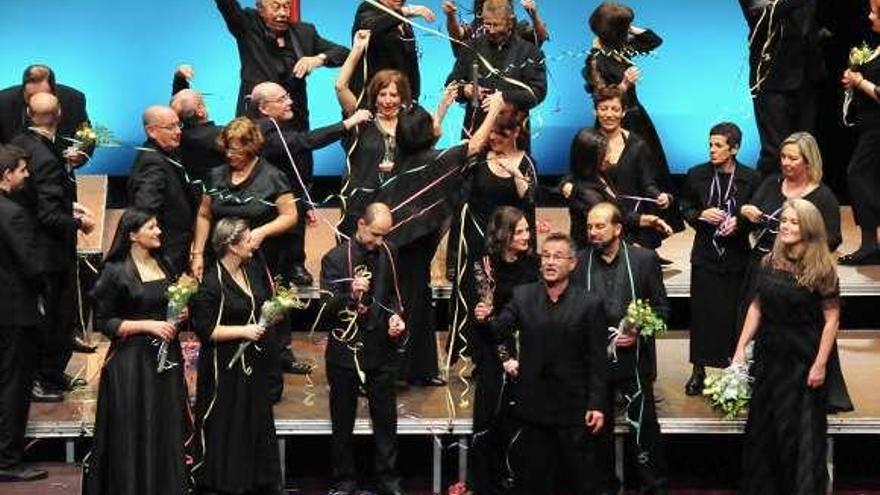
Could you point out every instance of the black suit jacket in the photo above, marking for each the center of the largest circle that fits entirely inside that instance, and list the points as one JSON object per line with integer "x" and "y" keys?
{"x": 14, "y": 120}
{"x": 262, "y": 60}
{"x": 648, "y": 281}
{"x": 376, "y": 347}
{"x": 159, "y": 186}
{"x": 562, "y": 364}
{"x": 392, "y": 46}
{"x": 198, "y": 141}
{"x": 49, "y": 195}
{"x": 19, "y": 269}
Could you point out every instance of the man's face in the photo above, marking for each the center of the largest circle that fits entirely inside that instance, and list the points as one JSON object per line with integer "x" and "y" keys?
{"x": 275, "y": 14}
{"x": 720, "y": 153}
{"x": 601, "y": 231}
{"x": 15, "y": 178}
{"x": 557, "y": 261}
{"x": 30, "y": 89}
{"x": 165, "y": 130}
{"x": 394, "y": 4}
{"x": 497, "y": 26}
{"x": 277, "y": 104}
{"x": 372, "y": 236}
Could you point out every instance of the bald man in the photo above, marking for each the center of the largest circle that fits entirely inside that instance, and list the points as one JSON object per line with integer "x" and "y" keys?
{"x": 198, "y": 140}
{"x": 50, "y": 195}
{"x": 158, "y": 184}
{"x": 360, "y": 275}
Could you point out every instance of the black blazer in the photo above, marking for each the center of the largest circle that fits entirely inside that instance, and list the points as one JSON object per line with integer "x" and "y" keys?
{"x": 14, "y": 119}
{"x": 19, "y": 269}
{"x": 159, "y": 186}
{"x": 262, "y": 60}
{"x": 392, "y": 46}
{"x": 198, "y": 141}
{"x": 116, "y": 294}
{"x": 378, "y": 348}
{"x": 694, "y": 199}
{"x": 49, "y": 194}
{"x": 562, "y": 364}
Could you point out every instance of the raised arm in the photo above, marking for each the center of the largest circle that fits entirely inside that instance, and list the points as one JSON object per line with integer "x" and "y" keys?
{"x": 347, "y": 99}
{"x": 492, "y": 105}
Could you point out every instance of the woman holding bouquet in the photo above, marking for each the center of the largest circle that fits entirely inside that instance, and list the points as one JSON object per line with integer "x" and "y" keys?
{"x": 142, "y": 423}
{"x": 794, "y": 318}
{"x": 235, "y": 426}
{"x": 863, "y": 175}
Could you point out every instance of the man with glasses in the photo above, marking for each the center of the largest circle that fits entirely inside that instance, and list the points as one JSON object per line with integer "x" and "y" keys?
{"x": 619, "y": 272}
{"x": 517, "y": 67}
{"x": 160, "y": 185}
{"x": 558, "y": 366}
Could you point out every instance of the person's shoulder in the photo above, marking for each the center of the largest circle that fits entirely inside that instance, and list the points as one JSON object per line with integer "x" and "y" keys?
{"x": 639, "y": 254}
{"x": 11, "y": 95}
{"x": 700, "y": 170}
{"x": 745, "y": 172}
{"x": 65, "y": 92}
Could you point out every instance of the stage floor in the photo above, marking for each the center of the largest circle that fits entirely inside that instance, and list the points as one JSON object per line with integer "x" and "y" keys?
{"x": 854, "y": 281}
{"x": 447, "y": 410}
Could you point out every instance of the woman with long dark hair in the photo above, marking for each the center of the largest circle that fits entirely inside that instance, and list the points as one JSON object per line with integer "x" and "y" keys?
{"x": 794, "y": 318}
{"x": 509, "y": 261}
{"x": 142, "y": 422}
{"x": 235, "y": 424}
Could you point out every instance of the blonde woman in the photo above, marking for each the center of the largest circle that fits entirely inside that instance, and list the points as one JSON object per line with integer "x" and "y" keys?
{"x": 793, "y": 318}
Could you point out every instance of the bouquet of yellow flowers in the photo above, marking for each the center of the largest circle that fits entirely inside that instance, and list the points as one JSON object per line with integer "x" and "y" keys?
{"x": 860, "y": 55}
{"x": 730, "y": 390}
{"x": 86, "y": 136}
{"x": 285, "y": 299}
{"x": 640, "y": 316}
{"x": 179, "y": 294}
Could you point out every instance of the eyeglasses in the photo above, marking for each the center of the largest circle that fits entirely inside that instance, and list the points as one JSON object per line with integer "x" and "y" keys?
{"x": 169, "y": 127}
{"x": 555, "y": 257}
{"x": 281, "y": 99}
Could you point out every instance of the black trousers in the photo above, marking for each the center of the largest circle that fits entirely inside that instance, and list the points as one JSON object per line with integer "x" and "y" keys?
{"x": 56, "y": 330}
{"x": 863, "y": 178}
{"x": 17, "y": 351}
{"x": 547, "y": 455}
{"x": 778, "y": 115}
{"x": 382, "y": 396}
{"x": 419, "y": 360}
{"x": 644, "y": 441}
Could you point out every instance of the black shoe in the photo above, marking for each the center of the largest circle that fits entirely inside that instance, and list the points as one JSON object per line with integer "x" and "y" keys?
{"x": 301, "y": 277}
{"x": 434, "y": 381}
{"x": 40, "y": 392}
{"x": 694, "y": 385}
{"x": 80, "y": 345}
{"x": 343, "y": 488}
{"x": 664, "y": 261}
{"x": 860, "y": 257}
{"x": 64, "y": 382}
{"x": 22, "y": 473}
{"x": 296, "y": 368}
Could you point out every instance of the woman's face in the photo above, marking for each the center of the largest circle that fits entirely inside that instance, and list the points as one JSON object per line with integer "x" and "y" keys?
{"x": 610, "y": 114}
{"x": 238, "y": 156}
{"x": 502, "y": 139}
{"x": 147, "y": 236}
{"x": 789, "y": 228}
{"x": 793, "y": 163}
{"x": 519, "y": 240}
{"x": 388, "y": 101}
{"x": 244, "y": 248}
{"x": 874, "y": 16}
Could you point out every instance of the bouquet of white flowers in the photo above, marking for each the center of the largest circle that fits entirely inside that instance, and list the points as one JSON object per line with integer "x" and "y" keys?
{"x": 640, "y": 316}
{"x": 730, "y": 390}
{"x": 272, "y": 310}
{"x": 178, "y": 294}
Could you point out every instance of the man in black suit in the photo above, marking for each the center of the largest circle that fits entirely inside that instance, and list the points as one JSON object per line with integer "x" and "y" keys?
{"x": 50, "y": 196}
{"x": 787, "y": 67}
{"x": 558, "y": 367}
{"x": 360, "y": 273}
{"x": 158, "y": 184}
{"x": 198, "y": 141}
{"x": 619, "y": 272}
{"x": 392, "y": 42}
{"x": 41, "y": 79}
{"x": 20, "y": 279}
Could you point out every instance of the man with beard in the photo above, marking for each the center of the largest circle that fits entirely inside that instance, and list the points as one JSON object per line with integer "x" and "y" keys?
{"x": 521, "y": 72}
{"x": 619, "y": 273}
{"x": 560, "y": 372}
{"x": 271, "y": 107}
{"x": 158, "y": 184}
{"x": 50, "y": 196}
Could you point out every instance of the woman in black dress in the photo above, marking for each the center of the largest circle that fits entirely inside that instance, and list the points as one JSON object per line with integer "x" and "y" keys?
{"x": 794, "y": 319}
{"x": 235, "y": 426}
{"x": 710, "y": 201}
{"x": 509, "y": 261}
{"x": 588, "y": 184}
{"x": 609, "y": 64}
{"x": 142, "y": 422}
{"x": 863, "y": 175}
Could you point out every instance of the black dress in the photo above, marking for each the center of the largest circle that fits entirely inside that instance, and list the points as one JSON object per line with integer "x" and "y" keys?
{"x": 635, "y": 176}
{"x": 234, "y": 418}
{"x": 252, "y": 200}
{"x": 493, "y": 424}
{"x": 142, "y": 422}
{"x": 863, "y": 175}
{"x": 785, "y": 439}
{"x": 718, "y": 264}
